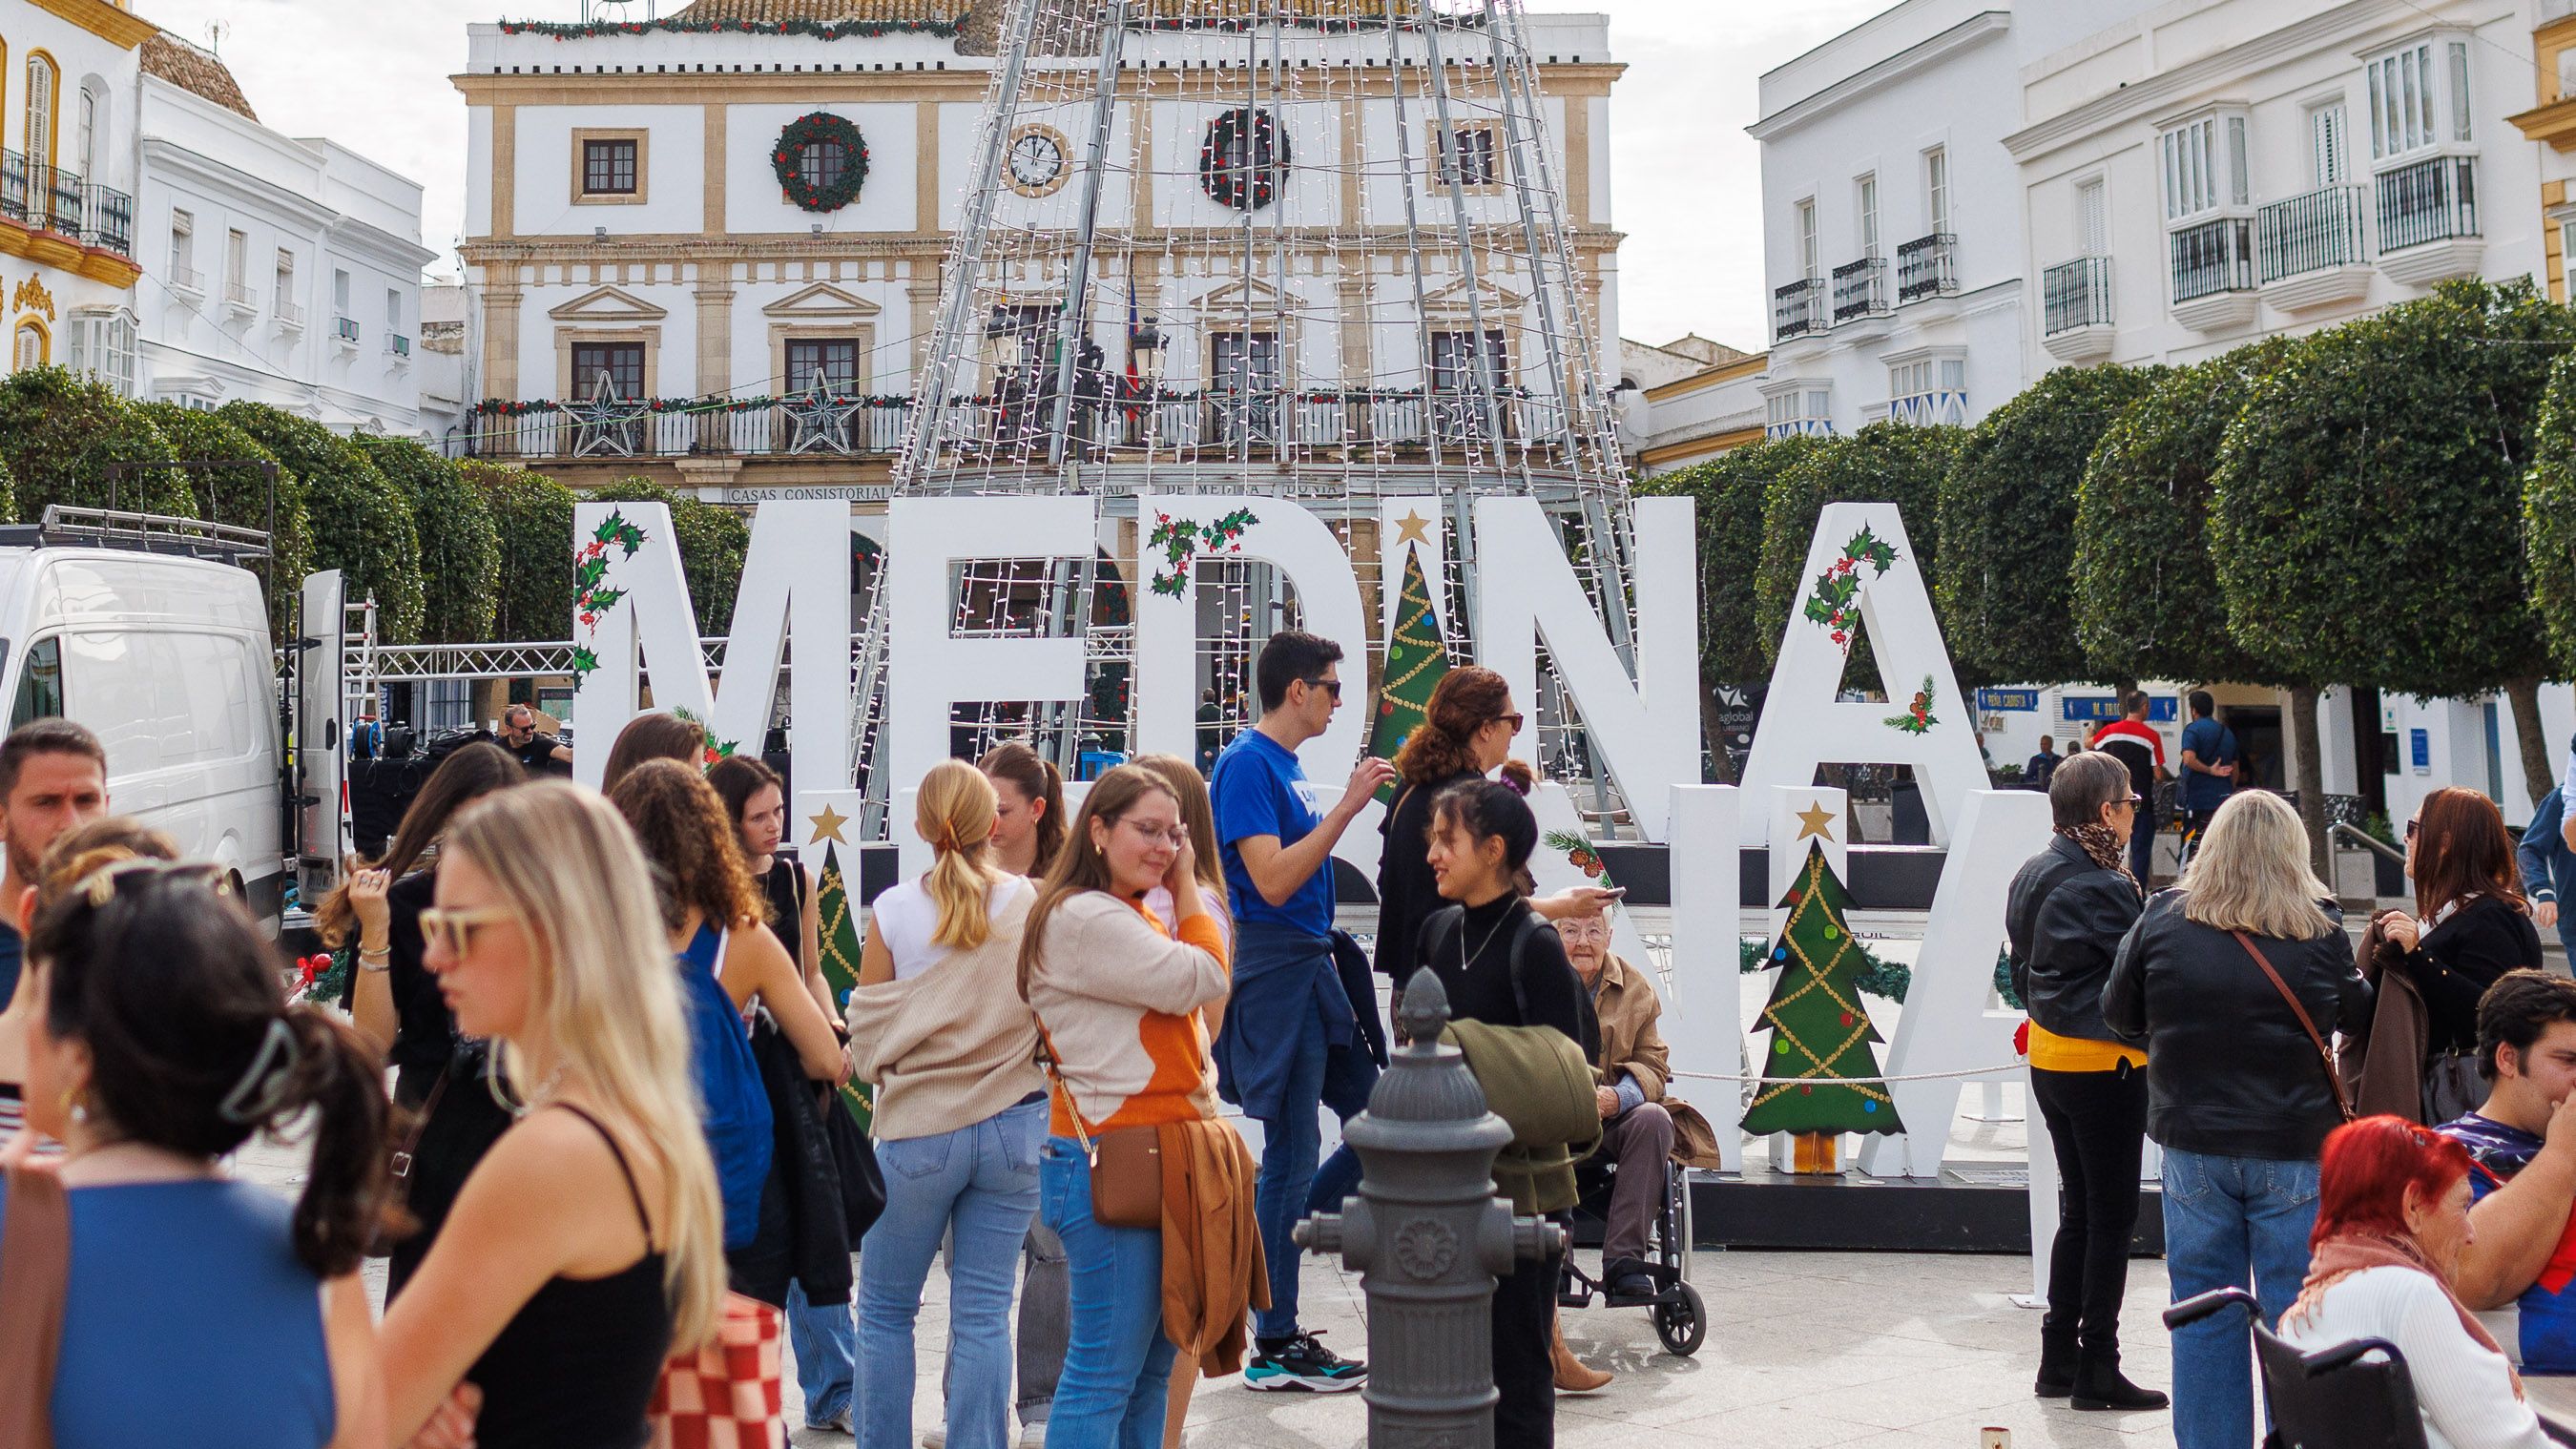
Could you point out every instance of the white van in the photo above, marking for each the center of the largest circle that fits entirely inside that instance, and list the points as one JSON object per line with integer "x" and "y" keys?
{"x": 167, "y": 658}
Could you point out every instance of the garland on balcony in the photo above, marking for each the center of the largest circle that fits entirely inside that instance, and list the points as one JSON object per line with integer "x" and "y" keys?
{"x": 681, "y": 25}
{"x": 521, "y": 407}
{"x": 787, "y": 161}
{"x": 1253, "y": 184}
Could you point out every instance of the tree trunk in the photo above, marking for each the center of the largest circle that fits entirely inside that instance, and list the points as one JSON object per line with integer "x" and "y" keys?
{"x": 1719, "y": 761}
{"x": 2309, "y": 778}
{"x": 2537, "y": 777}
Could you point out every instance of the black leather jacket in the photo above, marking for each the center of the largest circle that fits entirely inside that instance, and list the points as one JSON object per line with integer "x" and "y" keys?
{"x": 2065, "y": 917}
{"x": 2230, "y": 1073}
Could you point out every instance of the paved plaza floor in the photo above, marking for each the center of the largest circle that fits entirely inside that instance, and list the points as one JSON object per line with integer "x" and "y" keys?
{"x": 1804, "y": 1350}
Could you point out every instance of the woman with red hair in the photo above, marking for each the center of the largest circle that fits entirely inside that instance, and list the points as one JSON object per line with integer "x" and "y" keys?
{"x": 2392, "y": 1217}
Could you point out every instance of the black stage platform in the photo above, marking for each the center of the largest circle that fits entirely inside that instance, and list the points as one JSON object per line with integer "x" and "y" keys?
{"x": 1970, "y": 1209}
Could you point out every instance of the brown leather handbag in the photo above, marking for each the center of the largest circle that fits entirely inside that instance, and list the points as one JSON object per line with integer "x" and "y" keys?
{"x": 35, "y": 1278}
{"x": 2325, "y": 1058}
{"x": 1126, "y": 1164}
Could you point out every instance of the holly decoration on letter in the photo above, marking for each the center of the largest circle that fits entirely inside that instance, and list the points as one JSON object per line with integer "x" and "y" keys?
{"x": 1834, "y": 602}
{"x": 1179, "y": 541}
{"x": 591, "y": 595}
{"x": 1918, "y": 717}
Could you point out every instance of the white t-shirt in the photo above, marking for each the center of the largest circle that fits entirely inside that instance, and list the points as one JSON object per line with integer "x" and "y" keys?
{"x": 2462, "y": 1391}
{"x": 905, "y": 917}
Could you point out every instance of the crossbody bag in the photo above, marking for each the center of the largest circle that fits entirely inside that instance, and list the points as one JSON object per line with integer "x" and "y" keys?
{"x": 1126, "y": 1163}
{"x": 2325, "y": 1058}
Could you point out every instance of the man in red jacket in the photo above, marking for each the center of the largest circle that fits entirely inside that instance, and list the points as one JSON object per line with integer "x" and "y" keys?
{"x": 2135, "y": 743}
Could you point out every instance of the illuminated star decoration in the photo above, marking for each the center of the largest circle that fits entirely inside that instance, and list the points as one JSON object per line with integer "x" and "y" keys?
{"x": 599, "y": 422}
{"x": 827, "y": 826}
{"x": 815, "y": 419}
{"x": 1815, "y": 820}
{"x": 1411, "y": 529}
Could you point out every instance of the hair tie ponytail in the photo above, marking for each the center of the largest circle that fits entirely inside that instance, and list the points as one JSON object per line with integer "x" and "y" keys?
{"x": 1519, "y": 778}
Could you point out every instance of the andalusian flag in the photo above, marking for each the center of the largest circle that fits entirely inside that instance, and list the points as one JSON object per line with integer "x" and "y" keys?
{"x": 839, "y": 933}
{"x": 1416, "y": 658}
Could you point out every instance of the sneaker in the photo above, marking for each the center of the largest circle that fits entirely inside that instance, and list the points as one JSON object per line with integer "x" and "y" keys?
{"x": 837, "y": 1424}
{"x": 1300, "y": 1363}
{"x": 1032, "y": 1436}
{"x": 934, "y": 1439}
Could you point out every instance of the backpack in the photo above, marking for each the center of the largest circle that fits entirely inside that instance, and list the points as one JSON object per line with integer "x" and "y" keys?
{"x": 737, "y": 1118}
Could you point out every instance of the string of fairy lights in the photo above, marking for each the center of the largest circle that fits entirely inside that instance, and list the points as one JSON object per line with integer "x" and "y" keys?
{"x": 1326, "y": 261}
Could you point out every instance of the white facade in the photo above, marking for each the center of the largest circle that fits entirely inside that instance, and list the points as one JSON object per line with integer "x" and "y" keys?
{"x": 689, "y": 275}
{"x": 278, "y": 270}
{"x": 1892, "y": 254}
{"x": 2198, "y": 176}
{"x": 68, "y": 83}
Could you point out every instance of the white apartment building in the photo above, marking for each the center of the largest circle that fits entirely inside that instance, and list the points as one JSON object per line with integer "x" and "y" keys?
{"x": 2140, "y": 182}
{"x": 280, "y": 270}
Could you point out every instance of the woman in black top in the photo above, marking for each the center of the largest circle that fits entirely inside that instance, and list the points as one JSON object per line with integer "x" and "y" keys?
{"x": 2470, "y": 927}
{"x": 394, "y": 1001}
{"x": 1466, "y": 731}
{"x": 756, "y": 801}
{"x": 1502, "y": 966}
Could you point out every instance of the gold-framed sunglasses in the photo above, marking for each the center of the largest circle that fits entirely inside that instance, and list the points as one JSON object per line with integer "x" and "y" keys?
{"x": 454, "y": 929}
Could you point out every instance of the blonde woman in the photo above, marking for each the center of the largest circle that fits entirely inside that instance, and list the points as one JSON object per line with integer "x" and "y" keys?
{"x": 585, "y": 1248}
{"x": 1119, "y": 1000}
{"x": 937, "y": 1023}
{"x": 2238, "y": 1095}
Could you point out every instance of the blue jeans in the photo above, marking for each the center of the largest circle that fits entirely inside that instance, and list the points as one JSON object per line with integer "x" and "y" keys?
{"x": 2230, "y": 1222}
{"x": 1117, "y": 1364}
{"x": 978, "y": 1184}
{"x": 1289, "y": 1146}
{"x": 827, "y": 1354}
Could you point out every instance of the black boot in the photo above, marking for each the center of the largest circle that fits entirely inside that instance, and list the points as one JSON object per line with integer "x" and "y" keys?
{"x": 2099, "y": 1384}
{"x": 2057, "y": 1362}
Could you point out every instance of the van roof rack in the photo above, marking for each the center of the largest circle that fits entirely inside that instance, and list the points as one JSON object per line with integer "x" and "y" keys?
{"x": 65, "y": 526}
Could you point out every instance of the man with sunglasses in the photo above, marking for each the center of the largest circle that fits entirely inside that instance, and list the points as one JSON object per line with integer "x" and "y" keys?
{"x": 53, "y": 777}
{"x": 1291, "y": 1019}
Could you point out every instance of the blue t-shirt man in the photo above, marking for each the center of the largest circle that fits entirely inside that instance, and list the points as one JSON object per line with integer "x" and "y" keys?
{"x": 2497, "y": 1152}
{"x": 2210, "y": 743}
{"x": 1260, "y": 789}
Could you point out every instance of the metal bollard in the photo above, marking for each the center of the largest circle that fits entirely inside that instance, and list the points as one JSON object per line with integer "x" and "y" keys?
{"x": 1429, "y": 1237}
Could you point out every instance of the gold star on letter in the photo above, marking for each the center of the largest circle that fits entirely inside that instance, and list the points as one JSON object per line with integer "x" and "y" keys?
{"x": 1815, "y": 820}
{"x": 1409, "y": 529}
{"x": 827, "y": 826}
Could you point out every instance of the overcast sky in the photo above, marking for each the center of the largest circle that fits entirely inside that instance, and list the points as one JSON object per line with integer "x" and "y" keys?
{"x": 1685, "y": 179}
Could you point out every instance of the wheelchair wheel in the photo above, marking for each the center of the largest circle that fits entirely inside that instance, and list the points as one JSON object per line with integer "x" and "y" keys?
{"x": 1682, "y": 1325}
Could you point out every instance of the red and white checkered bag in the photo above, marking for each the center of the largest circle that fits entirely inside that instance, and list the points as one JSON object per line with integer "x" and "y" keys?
{"x": 727, "y": 1395}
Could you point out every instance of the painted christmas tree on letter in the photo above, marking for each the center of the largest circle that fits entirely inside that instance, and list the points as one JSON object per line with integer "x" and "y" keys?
{"x": 1416, "y": 659}
{"x": 1820, "y": 1035}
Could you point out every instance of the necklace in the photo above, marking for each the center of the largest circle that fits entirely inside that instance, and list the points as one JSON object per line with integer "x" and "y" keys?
{"x": 1467, "y": 957}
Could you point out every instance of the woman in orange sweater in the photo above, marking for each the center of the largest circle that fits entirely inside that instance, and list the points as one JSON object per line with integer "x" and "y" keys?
{"x": 1118, "y": 997}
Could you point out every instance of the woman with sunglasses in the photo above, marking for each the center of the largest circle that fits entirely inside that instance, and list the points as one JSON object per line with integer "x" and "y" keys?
{"x": 2065, "y": 917}
{"x": 2470, "y": 926}
{"x": 1466, "y": 733}
{"x": 585, "y": 1249}
{"x": 199, "y": 1309}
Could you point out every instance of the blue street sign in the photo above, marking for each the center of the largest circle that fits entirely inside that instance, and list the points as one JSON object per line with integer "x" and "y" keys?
{"x": 1997, "y": 701}
{"x": 2086, "y": 708}
{"x": 2419, "y": 750}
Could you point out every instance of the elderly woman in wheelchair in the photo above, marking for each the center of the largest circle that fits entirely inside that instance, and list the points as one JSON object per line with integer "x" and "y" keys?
{"x": 2377, "y": 1329}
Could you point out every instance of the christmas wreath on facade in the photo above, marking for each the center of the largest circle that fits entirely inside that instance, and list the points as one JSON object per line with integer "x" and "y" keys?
{"x": 1243, "y": 160}
{"x": 787, "y": 159}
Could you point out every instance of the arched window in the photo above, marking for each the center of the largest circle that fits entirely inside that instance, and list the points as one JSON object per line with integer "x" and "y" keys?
{"x": 86, "y": 140}
{"x": 30, "y": 347}
{"x": 39, "y": 133}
